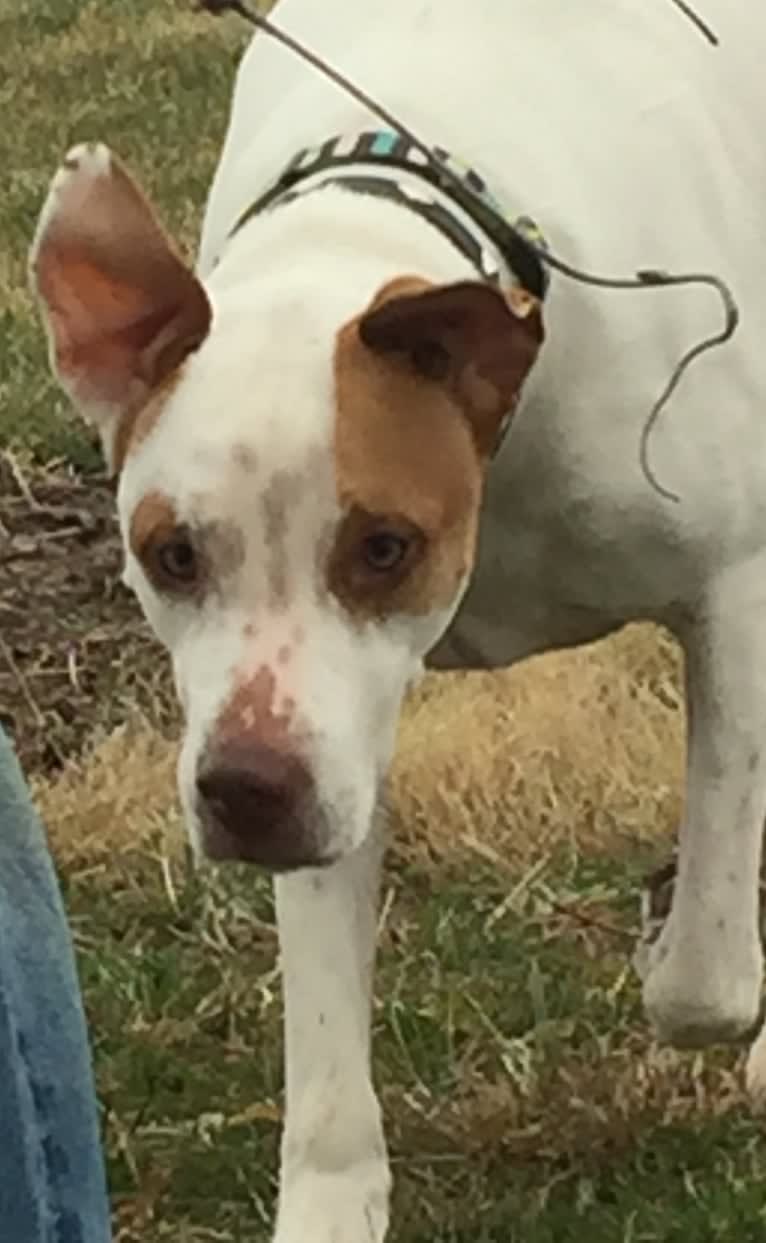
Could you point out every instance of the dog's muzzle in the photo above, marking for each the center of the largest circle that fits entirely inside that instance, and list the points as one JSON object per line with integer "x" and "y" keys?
{"x": 257, "y": 804}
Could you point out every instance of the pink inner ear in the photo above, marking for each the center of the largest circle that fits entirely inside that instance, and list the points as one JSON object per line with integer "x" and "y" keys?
{"x": 85, "y": 303}
{"x": 113, "y": 341}
{"x": 122, "y": 308}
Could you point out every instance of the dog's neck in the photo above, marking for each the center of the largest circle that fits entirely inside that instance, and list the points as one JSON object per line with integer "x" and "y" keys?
{"x": 338, "y": 237}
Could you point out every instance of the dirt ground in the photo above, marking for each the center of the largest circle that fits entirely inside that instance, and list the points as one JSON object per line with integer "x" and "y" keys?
{"x": 75, "y": 655}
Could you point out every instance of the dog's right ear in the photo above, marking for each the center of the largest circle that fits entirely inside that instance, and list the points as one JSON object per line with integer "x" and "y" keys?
{"x": 479, "y": 342}
{"x": 121, "y": 308}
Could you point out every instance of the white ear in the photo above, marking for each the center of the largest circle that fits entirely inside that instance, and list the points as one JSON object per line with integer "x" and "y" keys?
{"x": 121, "y": 308}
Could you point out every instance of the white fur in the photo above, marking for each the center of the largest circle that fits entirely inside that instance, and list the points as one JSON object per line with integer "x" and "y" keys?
{"x": 335, "y": 1178}
{"x": 264, "y": 381}
{"x": 634, "y": 144}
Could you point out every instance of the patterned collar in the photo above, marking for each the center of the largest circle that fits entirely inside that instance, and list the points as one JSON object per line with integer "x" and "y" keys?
{"x": 510, "y": 238}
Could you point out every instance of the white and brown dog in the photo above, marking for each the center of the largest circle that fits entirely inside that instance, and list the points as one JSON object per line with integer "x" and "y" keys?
{"x": 303, "y": 429}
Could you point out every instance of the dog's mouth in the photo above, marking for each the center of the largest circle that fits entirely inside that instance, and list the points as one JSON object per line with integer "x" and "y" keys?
{"x": 274, "y": 845}
{"x": 275, "y": 851}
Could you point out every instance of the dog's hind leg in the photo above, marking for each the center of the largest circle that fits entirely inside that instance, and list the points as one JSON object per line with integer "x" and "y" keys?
{"x": 703, "y": 975}
{"x": 334, "y": 1178}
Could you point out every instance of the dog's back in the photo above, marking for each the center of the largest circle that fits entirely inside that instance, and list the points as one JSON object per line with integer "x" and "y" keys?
{"x": 634, "y": 143}
{"x": 524, "y": 90}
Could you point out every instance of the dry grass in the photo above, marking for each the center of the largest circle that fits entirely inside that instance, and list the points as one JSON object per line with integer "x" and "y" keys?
{"x": 509, "y": 1034}
{"x": 583, "y": 748}
{"x": 525, "y": 1099}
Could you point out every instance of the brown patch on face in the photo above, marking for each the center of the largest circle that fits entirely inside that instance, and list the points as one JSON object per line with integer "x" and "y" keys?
{"x": 165, "y": 548}
{"x": 251, "y": 712}
{"x": 284, "y": 655}
{"x": 274, "y": 516}
{"x": 425, "y": 379}
{"x": 281, "y": 494}
{"x": 154, "y": 519}
{"x": 179, "y": 558}
{"x": 224, "y": 546}
{"x": 409, "y": 586}
{"x": 406, "y": 464}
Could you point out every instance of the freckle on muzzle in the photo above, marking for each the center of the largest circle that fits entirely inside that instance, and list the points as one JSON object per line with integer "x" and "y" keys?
{"x": 257, "y": 804}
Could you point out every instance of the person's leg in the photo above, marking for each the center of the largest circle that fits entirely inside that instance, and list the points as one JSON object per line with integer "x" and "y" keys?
{"x": 52, "y": 1184}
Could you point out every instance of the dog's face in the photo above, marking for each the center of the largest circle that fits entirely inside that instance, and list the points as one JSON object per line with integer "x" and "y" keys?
{"x": 298, "y": 495}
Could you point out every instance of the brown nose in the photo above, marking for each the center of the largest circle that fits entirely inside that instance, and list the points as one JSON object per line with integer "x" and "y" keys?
{"x": 256, "y": 805}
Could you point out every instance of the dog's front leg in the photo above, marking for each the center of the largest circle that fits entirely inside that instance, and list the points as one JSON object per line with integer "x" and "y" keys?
{"x": 703, "y": 975}
{"x": 334, "y": 1178}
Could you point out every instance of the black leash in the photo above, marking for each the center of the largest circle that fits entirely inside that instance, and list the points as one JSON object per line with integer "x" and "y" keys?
{"x": 645, "y": 279}
{"x": 697, "y": 21}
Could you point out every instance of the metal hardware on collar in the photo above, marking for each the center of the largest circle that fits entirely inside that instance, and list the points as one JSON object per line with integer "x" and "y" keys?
{"x": 644, "y": 279}
{"x": 390, "y": 150}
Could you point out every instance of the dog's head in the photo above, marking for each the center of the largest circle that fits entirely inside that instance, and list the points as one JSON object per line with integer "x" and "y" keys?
{"x": 299, "y": 498}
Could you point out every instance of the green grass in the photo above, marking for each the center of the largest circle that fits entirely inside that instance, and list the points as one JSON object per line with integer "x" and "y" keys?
{"x": 525, "y": 1101}
{"x": 149, "y": 77}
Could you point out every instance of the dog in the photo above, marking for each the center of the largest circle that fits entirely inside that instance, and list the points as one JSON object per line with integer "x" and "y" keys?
{"x": 318, "y": 497}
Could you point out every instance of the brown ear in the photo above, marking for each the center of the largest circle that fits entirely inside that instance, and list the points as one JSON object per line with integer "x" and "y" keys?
{"x": 467, "y": 335}
{"x": 121, "y": 308}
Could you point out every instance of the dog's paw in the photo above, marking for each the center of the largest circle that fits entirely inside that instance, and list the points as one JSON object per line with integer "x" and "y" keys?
{"x": 695, "y": 992}
{"x": 349, "y": 1207}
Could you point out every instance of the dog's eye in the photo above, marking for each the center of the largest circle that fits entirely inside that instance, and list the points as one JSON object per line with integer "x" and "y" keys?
{"x": 384, "y": 550}
{"x": 177, "y": 560}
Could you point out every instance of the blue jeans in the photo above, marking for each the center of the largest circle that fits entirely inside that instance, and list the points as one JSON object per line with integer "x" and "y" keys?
{"x": 52, "y": 1184}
